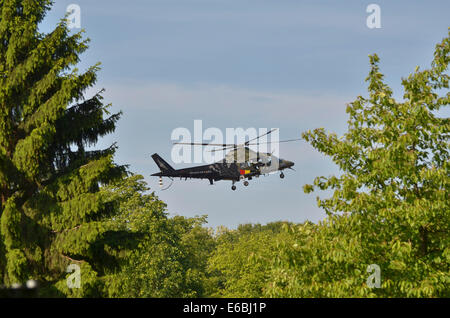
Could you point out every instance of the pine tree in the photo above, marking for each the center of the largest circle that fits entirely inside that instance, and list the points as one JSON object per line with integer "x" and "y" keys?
{"x": 51, "y": 210}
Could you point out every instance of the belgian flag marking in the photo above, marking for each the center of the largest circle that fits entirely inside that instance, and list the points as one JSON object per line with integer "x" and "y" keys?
{"x": 245, "y": 171}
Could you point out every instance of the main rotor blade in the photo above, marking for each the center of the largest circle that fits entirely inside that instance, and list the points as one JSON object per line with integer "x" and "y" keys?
{"x": 269, "y": 132}
{"x": 202, "y": 144}
{"x": 220, "y": 149}
{"x": 274, "y": 142}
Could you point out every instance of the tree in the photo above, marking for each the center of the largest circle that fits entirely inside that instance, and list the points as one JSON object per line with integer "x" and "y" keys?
{"x": 390, "y": 205}
{"x": 162, "y": 257}
{"x": 323, "y": 260}
{"x": 51, "y": 210}
{"x": 242, "y": 262}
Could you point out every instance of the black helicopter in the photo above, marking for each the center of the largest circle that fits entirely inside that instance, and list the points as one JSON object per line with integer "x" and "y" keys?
{"x": 241, "y": 163}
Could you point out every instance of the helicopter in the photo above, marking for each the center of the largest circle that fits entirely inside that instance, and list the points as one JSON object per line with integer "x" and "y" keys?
{"x": 240, "y": 164}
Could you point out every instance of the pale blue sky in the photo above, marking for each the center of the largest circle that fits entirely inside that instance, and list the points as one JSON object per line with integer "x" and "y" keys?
{"x": 287, "y": 64}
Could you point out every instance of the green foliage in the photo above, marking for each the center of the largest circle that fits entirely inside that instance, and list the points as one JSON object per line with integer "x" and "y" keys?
{"x": 395, "y": 187}
{"x": 241, "y": 264}
{"x": 389, "y": 205}
{"x": 61, "y": 204}
{"x": 51, "y": 210}
{"x": 168, "y": 257}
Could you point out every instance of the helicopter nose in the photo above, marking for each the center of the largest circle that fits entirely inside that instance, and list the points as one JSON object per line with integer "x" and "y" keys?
{"x": 285, "y": 164}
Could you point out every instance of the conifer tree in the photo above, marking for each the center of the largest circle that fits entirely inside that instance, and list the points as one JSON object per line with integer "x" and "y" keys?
{"x": 51, "y": 210}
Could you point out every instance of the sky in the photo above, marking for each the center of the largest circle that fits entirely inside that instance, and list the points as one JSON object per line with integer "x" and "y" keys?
{"x": 291, "y": 65}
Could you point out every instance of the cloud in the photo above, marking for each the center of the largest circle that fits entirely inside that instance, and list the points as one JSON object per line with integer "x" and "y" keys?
{"x": 226, "y": 102}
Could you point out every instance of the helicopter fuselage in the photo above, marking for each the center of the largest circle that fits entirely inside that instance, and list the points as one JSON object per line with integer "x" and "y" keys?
{"x": 222, "y": 170}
